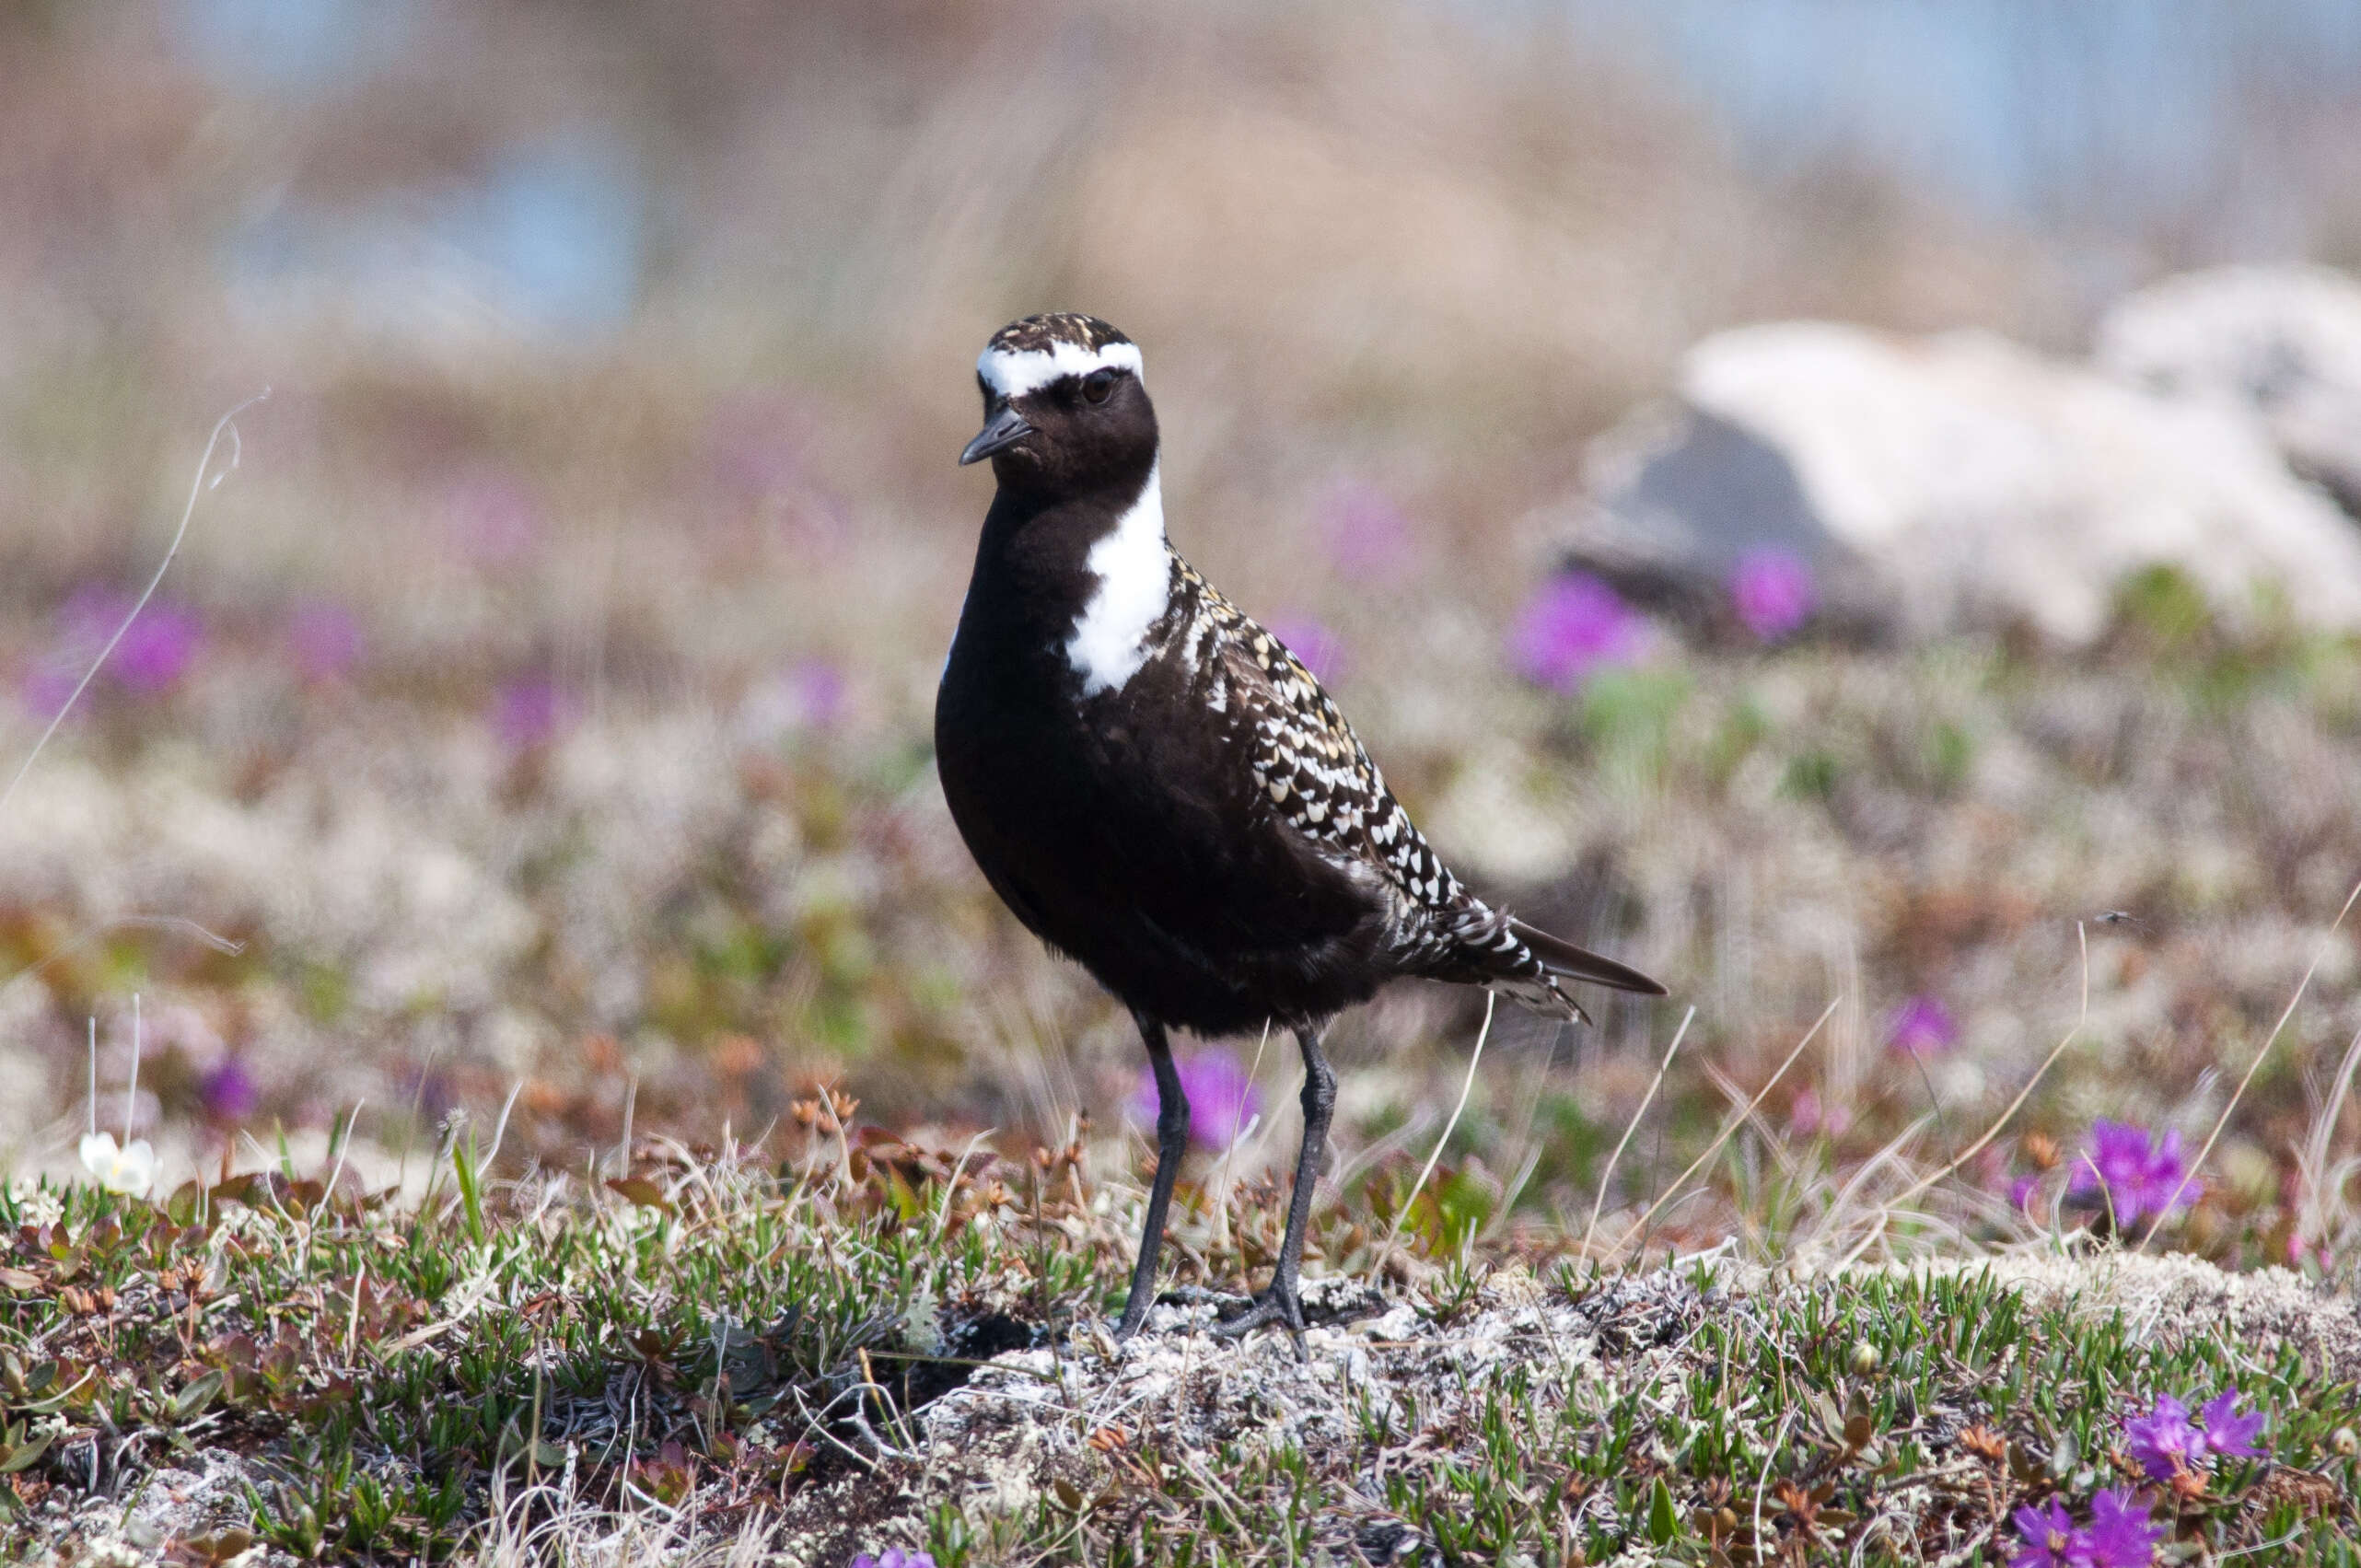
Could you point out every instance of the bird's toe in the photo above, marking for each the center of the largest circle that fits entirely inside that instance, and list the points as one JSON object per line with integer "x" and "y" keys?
{"x": 1280, "y": 1305}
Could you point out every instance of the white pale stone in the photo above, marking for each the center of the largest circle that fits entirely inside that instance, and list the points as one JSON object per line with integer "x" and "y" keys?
{"x": 1961, "y": 478}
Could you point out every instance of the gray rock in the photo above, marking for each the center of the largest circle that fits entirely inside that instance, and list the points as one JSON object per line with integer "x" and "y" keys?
{"x": 1960, "y": 481}
{"x": 2281, "y": 342}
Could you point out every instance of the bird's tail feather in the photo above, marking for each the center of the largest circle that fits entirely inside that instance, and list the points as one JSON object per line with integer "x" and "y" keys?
{"x": 1563, "y": 957}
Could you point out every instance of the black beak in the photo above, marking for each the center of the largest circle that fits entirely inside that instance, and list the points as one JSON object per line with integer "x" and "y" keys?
{"x": 1004, "y": 429}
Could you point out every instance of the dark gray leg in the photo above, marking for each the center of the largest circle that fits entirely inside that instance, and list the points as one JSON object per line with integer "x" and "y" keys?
{"x": 1171, "y": 1147}
{"x": 1281, "y": 1302}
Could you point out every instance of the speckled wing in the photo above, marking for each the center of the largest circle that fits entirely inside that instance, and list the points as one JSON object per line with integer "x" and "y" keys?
{"x": 1321, "y": 784}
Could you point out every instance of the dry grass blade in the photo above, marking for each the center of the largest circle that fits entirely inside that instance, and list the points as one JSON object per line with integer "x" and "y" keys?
{"x": 2251, "y": 1068}
{"x": 2321, "y": 1182}
{"x": 1729, "y": 1125}
{"x": 197, "y": 487}
{"x": 2082, "y": 1020}
{"x": 1467, "y": 1086}
{"x": 1590, "y": 1231}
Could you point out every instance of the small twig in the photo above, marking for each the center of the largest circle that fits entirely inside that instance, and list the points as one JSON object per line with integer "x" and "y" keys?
{"x": 1591, "y": 1230}
{"x": 1467, "y": 1086}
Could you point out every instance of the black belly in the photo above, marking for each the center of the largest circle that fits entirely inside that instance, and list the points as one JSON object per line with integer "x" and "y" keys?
{"x": 1143, "y": 852}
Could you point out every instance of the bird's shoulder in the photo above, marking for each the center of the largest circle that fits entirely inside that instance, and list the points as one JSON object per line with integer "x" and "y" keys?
{"x": 1307, "y": 762}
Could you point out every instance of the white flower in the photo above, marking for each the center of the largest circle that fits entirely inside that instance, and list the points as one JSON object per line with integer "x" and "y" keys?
{"x": 131, "y": 1168}
{"x": 36, "y": 1205}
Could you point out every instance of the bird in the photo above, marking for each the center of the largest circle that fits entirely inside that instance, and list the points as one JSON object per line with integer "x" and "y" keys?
{"x": 1159, "y": 790}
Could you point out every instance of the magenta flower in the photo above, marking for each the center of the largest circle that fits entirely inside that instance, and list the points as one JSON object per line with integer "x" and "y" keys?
{"x": 818, "y": 688}
{"x": 1368, "y": 537}
{"x": 894, "y": 1557}
{"x": 1923, "y": 1029}
{"x": 89, "y": 617}
{"x": 2119, "y": 1535}
{"x": 2166, "y": 1442}
{"x": 1222, "y": 1098}
{"x": 758, "y": 443}
{"x": 491, "y": 517}
{"x": 2138, "y": 1173}
{"x": 1807, "y": 1115}
{"x": 1316, "y": 648}
{"x": 47, "y": 686}
{"x": 157, "y": 648}
{"x": 2226, "y": 1430}
{"x": 230, "y": 1093}
{"x": 2048, "y": 1538}
{"x": 526, "y": 712}
{"x": 1773, "y": 592}
{"x": 324, "y": 639}
{"x": 1575, "y": 625}
{"x": 2022, "y": 1192}
{"x": 2163, "y": 1441}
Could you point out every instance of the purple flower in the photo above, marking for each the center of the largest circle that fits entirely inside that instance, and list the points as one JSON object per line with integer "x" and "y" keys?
{"x": 818, "y": 692}
{"x": 1808, "y": 1114}
{"x": 1367, "y": 536}
{"x": 2163, "y": 1441}
{"x": 325, "y": 640}
{"x": 758, "y": 443}
{"x": 1316, "y": 648}
{"x": 2119, "y": 1535}
{"x": 1574, "y": 625}
{"x": 1922, "y": 1028}
{"x": 2226, "y": 1430}
{"x": 90, "y": 617}
{"x": 2049, "y": 1536}
{"x": 526, "y": 712}
{"x": 230, "y": 1093}
{"x": 157, "y": 649}
{"x": 1222, "y": 1098}
{"x": 2022, "y": 1192}
{"x": 1773, "y": 592}
{"x": 491, "y": 516}
{"x": 2139, "y": 1173}
{"x": 895, "y": 1558}
{"x": 47, "y": 686}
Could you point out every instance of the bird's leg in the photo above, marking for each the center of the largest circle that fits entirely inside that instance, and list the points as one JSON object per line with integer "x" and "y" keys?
{"x": 1281, "y": 1302}
{"x": 1171, "y": 1147}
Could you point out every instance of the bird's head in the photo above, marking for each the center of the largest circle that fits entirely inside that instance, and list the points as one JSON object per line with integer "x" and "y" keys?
{"x": 1063, "y": 409}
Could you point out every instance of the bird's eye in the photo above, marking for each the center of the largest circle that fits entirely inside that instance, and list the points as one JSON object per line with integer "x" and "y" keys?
{"x": 1099, "y": 385}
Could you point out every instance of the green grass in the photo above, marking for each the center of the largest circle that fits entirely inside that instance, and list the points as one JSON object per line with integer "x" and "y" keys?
{"x": 718, "y": 1345}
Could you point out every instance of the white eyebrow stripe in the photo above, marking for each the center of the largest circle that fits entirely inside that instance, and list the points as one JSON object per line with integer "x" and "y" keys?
{"x": 1014, "y": 374}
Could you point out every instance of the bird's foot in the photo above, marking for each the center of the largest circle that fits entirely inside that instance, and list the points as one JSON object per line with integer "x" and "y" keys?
{"x": 1281, "y": 1303}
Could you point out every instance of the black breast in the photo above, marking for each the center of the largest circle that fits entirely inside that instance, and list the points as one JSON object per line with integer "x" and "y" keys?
{"x": 1129, "y": 830}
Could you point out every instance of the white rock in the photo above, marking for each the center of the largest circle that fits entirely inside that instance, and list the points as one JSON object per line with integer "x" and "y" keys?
{"x": 1959, "y": 480}
{"x": 2281, "y": 342}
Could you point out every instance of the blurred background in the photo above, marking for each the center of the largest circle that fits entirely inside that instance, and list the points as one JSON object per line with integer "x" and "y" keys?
{"x": 538, "y": 718}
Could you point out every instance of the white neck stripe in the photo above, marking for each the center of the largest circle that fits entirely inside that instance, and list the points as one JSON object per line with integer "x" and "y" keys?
{"x": 1012, "y": 375}
{"x": 1133, "y": 566}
